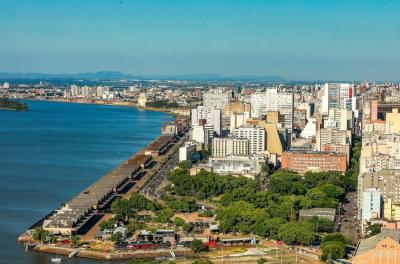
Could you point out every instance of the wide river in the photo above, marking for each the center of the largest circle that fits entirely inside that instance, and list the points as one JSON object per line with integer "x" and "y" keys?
{"x": 52, "y": 152}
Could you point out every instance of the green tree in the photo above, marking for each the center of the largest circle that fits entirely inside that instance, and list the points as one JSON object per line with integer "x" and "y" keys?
{"x": 333, "y": 246}
{"x": 332, "y": 250}
{"x": 296, "y": 233}
{"x": 202, "y": 261}
{"x": 322, "y": 224}
{"x": 187, "y": 227}
{"x": 185, "y": 165}
{"x": 134, "y": 225}
{"x": 108, "y": 224}
{"x": 286, "y": 182}
{"x": 198, "y": 246}
{"x": 122, "y": 209}
{"x": 268, "y": 227}
{"x": 261, "y": 261}
{"x": 75, "y": 239}
{"x": 164, "y": 216}
{"x": 140, "y": 202}
{"x": 373, "y": 230}
{"x": 39, "y": 234}
{"x": 238, "y": 216}
{"x": 183, "y": 205}
{"x": 207, "y": 213}
{"x": 179, "y": 221}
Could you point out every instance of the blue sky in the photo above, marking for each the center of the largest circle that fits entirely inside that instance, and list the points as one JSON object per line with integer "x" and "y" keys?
{"x": 321, "y": 39}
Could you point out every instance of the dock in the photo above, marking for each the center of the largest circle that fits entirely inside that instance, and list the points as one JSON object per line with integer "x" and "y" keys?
{"x": 80, "y": 214}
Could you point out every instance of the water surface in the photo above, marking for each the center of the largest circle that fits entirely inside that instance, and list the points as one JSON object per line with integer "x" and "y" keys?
{"x": 52, "y": 152}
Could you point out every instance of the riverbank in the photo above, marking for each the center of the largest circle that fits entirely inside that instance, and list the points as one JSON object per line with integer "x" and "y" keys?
{"x": 7, "y": 104}
{"x": 108, "y": 253}
{"x": 172, "y": 111}
{"x": 113, "y": 256}
{"x": 53, "y": 151}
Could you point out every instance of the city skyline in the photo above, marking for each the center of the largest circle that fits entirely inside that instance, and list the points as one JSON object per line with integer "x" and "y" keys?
{"x": 296, "y": 40}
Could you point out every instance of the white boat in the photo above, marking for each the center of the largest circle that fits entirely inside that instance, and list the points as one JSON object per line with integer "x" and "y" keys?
{"x": 56, "y": 260}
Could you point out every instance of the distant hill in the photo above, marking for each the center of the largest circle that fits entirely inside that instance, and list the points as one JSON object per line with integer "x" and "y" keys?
{"x": 116, "y": 75}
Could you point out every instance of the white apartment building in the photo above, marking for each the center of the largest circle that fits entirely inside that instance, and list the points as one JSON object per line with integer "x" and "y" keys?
{"x": 202, "y": 134}
{"x": 238, "y": 120}
{"x": 212, "y": 116}
{"x": 256, "y": 136}
{"x": 334, "y": 136}
{"x": 338, "y": 95}
{"x": 187, "y": 151}
{"x": 142, "y": 100}
{"x": 216, "y": 99}
{"x": 342, "y": 117}
{"x": 222, "y": 147}
{"x": 75, "y": 90}
{"x": 258, "y": 104}
{"x": 310, "y": 130}
{"x": 282, "y": 102}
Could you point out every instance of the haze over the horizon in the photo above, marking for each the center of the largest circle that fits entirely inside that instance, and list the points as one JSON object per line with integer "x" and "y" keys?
{"x": 315, "y": 39}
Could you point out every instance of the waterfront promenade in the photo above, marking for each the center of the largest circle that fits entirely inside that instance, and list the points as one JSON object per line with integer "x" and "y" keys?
{"x": 82, "y": 214}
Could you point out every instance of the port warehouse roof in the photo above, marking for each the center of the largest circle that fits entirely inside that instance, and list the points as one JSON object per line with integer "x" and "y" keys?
{"x": 79, "y": 207}
{"x": 160, "y": 143}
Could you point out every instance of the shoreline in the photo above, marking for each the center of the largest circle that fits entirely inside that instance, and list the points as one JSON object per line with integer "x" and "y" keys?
{"x": 171, "y": 111}
{"x": 27, "y": 240}
{"x": 114, "y": 256}
{"x": 7, "y": 109}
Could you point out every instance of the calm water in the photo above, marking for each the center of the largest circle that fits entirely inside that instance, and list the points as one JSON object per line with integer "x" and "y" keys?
{"x": 52, "y": 152}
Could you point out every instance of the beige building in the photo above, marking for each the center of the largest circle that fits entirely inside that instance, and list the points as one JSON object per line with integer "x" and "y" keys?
{"x": 222, "y": 147}
{"x": 236, "y": 108}
{"x": 393, "y": 118}
{"x": 142, "y": 100}
{"x": 273, "y": 141}
{"x": 388, "y": 181}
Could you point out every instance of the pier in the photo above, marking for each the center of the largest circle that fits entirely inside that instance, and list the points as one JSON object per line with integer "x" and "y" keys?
{"x": 84, "y": 211}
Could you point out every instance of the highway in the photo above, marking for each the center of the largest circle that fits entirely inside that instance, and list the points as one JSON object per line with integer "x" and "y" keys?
{"x": 152, "y": 187}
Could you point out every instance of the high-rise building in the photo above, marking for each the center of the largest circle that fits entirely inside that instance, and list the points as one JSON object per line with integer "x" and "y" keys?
{"x": 338, "y": 95}
{"x": 216, "y": 99}
{"x": 236, "y": 108}
{"x": 282, "y": 102}
{"x": 75, "y": 90}
{"x": 342, "y": 117}
{"x": 212, "y": 116}
{"x": 371, "y": 205}
{"x": 256, "y": 136}
{"x": 238, "y": 120}
{"x": 331, "y": 135}
{"x": 142, "y": 100}
{"x": 222, "y": 147}
{"x": 258, "y": 104}
{"x": 202, "y": 134}
{"x": 86, "y": 91}
{"x": 6, "y": 85}
{"x": 187, "y": 151}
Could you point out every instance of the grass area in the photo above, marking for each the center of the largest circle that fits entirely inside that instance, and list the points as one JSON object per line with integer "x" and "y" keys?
{"x": 218, "y": 252}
